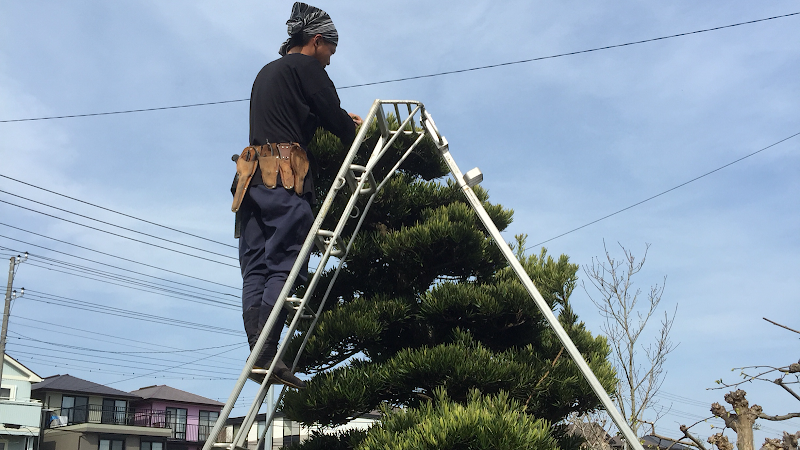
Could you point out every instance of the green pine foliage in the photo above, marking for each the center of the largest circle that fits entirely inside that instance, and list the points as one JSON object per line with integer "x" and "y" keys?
{"x": 427, "y": 317}
{"x": 481, "y": 423}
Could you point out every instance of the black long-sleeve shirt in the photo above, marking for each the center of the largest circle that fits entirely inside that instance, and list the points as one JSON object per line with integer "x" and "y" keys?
{"x": 291, "y": 97}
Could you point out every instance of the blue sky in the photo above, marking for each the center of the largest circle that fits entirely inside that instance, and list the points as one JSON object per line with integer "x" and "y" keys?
{"x": 562, "y": 141}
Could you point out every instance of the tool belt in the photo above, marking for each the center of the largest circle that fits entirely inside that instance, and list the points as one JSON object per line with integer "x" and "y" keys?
{"x": 288, "y": 159}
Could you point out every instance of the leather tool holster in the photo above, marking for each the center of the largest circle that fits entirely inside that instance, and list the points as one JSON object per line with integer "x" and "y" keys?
{"x": 245, "y": 168}
{"x": 289, "y": 159}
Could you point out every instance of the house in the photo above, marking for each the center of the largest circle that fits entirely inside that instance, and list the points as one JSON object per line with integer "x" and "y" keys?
{"x": 189, "y": 416}
{"x": 80, "y": 414}
{"x": 649, "y": 442}
{"x": 285, "y": 432}
{"x": 19, "y": 414}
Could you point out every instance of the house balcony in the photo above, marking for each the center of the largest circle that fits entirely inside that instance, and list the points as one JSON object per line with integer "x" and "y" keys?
{"x": 131, "y": 418}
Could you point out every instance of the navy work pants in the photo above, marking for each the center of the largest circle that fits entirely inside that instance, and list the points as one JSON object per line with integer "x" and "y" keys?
{"x": 274, "y": 224}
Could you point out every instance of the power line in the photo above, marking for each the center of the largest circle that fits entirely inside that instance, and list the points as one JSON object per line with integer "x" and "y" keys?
{"x": 417, "y": 77}
{"x": 163, "y": 370}
{"x": 199, "y": 299}
{"x": 663, "y": 192}
{"x": 123, "y": 269}
{"x": 39, "y": 296}
{"x": 83, "y": 271}
{"x": 129, "y": 354}
{"x": 102, "y": 253}
{"x": 98, "y": 362}
{"x": 115, "y": 225}
{"x": 122, "y": 236}
{"x": 117, "y": 212}
{"x": 126, "y": 339}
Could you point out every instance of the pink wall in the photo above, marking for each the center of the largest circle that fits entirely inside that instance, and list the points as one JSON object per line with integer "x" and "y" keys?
{"x": 192, "y": 414}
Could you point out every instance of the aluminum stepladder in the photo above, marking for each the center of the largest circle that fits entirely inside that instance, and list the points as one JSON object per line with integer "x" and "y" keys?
{"x": 362, "y": 183}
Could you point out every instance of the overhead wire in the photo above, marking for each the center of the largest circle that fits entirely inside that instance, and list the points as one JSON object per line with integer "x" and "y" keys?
{"x": 102, "y": 253}
{"x": 158, "y": 289}
{"x": 39, "y": 296}
{"x": 70, "y": 358}
{"x": 117, "y": 212}
{"x": 160, "y": 371}
{"x": 127, "y": 340}
{"x": 663, "y": 192}
{"x": 129, "y": 270}
{"x": 218, "y": 304}
{"x": 134, "y": 355}
{"x": 115, "y": 225}
{"x": 121, "y": 236}
{"x": 417, "y": 77}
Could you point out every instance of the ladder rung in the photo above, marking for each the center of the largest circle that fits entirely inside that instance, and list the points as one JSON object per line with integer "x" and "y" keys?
{"x": 353, "y": 179}
{"x": 292, "y": 303}
{"x": 323, "y": 240}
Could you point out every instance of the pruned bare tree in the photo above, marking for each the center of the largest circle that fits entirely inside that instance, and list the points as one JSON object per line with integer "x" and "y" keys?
{"x": 742, "y": 417}
{"x": 640, "y": 361}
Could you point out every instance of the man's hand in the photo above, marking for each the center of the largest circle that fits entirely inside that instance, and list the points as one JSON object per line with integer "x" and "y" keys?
{"x": 356, "y": 119}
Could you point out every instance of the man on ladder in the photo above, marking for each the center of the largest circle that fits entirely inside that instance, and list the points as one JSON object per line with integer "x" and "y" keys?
{"x": 291, "y": 97}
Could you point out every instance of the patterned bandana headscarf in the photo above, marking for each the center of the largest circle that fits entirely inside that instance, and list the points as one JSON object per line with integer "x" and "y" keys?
{"x": 310, "y": 21}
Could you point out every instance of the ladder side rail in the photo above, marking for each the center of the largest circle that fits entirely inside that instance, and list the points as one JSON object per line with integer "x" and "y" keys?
{"x": 344, "y": 218}
{"x": 382, "y": 122}
{"x": 305, "y": 250}
{"x": 268, "y": 421}
{"x": 256, "y": 405}
{"x": 378, "y": 153}
{"x": 252, "y": 413}
{"x": 537, "y": 297}
{"x": 374, "y": 161}
{"x": 349, "y": 245}
{"x": 250, "y": 419}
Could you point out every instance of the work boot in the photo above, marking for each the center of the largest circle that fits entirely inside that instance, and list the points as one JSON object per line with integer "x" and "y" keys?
{"x": 285, "y": 376}
{"x": 281, "y": 375}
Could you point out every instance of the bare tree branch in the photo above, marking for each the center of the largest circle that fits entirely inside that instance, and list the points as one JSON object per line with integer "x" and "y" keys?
{"x": 691, "y": 437}
{"x": 627, "y": 312}
{"x": 782, "y": 326}
{"x": 777, "y": 418}
{"x": 780, "y": 383}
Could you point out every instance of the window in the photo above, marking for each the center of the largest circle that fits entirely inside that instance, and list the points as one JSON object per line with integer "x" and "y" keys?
{"x": 5, "y": 394}
{"x": 291, "y": 432}
{"x": 112, "y": 444}
{"x": 75, "y": 408}
{"x": 152, "y": 445}
{"x": 176, "y": 419}
{"x": 114, "y": 411}
{"x": 207, "y": 421}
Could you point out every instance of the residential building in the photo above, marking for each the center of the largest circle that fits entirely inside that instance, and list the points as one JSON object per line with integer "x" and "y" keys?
{"x": 19, "y": 414}
{"x": 286, "y": 432}
{"x": 80, "y": 414}
{"x": 189, "y": 416}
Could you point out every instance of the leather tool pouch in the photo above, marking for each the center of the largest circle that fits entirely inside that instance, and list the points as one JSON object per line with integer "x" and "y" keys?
{"x": 299, "y": 163}
{"x": 285, "y": 165}
{"x": 245, "y": 168}
{"x": 269, "y": 166}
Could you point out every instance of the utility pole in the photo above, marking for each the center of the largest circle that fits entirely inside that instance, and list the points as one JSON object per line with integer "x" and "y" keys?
{"x": 14, "y": 262}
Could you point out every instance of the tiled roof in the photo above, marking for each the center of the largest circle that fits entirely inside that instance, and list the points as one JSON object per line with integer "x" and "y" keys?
{"x": 164, "y": 392}
{"x": 68, "y": 383}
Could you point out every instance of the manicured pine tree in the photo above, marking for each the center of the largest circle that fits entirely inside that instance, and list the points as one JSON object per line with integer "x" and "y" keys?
{"x": 427, "y": 322}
